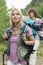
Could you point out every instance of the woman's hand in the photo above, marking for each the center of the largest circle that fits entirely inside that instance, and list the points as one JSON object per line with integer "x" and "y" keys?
{"x": 5, "y": 36}
{"x": 23, "y": 36}
{"x": 30, "y": 40}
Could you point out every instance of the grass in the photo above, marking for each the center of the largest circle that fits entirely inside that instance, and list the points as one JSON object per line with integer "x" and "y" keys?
{"x": 3, "y": 46}
{"x": 40, "y": 50}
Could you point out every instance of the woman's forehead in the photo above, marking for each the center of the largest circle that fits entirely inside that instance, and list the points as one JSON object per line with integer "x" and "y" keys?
{"x": 15, "y": 10}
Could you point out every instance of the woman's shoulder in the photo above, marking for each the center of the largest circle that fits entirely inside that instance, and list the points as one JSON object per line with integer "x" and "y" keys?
{"x": 26, "y": 28}
{"x": 8, "y": 28}
{"x": 29, "y": 31}
{"x": 29, "y": 28}
{"x": 8, "y": 31}
{"x": 38, "y": 20}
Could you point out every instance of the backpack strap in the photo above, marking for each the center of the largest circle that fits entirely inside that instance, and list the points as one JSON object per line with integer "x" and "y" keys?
{"x": 23, "y": 29}
{"x": 30, "y": 48}
{"x": 9, "y": 32}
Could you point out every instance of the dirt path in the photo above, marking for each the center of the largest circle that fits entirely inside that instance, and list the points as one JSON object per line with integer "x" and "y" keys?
{"x": 39, "y": 61}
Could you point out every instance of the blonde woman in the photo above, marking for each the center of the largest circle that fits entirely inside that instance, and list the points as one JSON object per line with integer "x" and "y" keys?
{"x": 15, "y": 22}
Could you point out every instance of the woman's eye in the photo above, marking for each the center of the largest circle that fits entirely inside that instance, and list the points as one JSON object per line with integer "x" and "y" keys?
{"x": 15, "y": 14}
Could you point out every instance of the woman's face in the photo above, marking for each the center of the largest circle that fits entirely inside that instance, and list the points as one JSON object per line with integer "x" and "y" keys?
{"x": 31, "y": 14}
{"x": 16, "y": 17}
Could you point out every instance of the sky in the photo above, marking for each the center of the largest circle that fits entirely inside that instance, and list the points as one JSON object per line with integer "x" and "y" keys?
{"x": 17, "y": 3}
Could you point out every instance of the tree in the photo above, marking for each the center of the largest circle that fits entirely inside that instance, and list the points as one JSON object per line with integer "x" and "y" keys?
{"x": 38, "y": 4}
{"x": 4, "y": 18}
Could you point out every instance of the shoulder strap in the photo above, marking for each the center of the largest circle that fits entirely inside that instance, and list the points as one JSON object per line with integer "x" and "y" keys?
{"x": 23, "y": 29}
{"x": 9, "y": 31}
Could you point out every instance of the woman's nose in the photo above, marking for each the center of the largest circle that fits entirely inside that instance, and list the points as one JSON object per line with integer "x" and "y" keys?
{"x": 15, "y": 15}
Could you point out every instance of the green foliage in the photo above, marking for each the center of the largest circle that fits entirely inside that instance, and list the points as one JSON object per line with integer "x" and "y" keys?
{"x": 4, "y": 19}
{"x": 24, "y": 12}
{"x": 40, "y": 9}
{"x": 38, "y": 4}
{"x": 40, "y": 50}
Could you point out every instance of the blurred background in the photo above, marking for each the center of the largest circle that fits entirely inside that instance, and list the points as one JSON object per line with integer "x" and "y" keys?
{"x": 24, "y": 5}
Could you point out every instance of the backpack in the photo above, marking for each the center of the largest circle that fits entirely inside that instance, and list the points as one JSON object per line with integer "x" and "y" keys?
{"x": 37, "y": 28}
{"x": 30, "y": 23}
{"x": 24, "y": 51}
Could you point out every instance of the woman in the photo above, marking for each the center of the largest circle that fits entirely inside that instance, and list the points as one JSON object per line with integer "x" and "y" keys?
{"x": 33, "y": 15}
{"x": 16, "y": 23}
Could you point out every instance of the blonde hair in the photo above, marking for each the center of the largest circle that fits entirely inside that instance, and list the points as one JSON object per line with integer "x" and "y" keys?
{"x": 20, "y": 23}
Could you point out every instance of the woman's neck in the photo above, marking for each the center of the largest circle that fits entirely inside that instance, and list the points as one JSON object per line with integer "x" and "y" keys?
{"x": 16, "y": 25}
{"x": 34, "y": 18}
